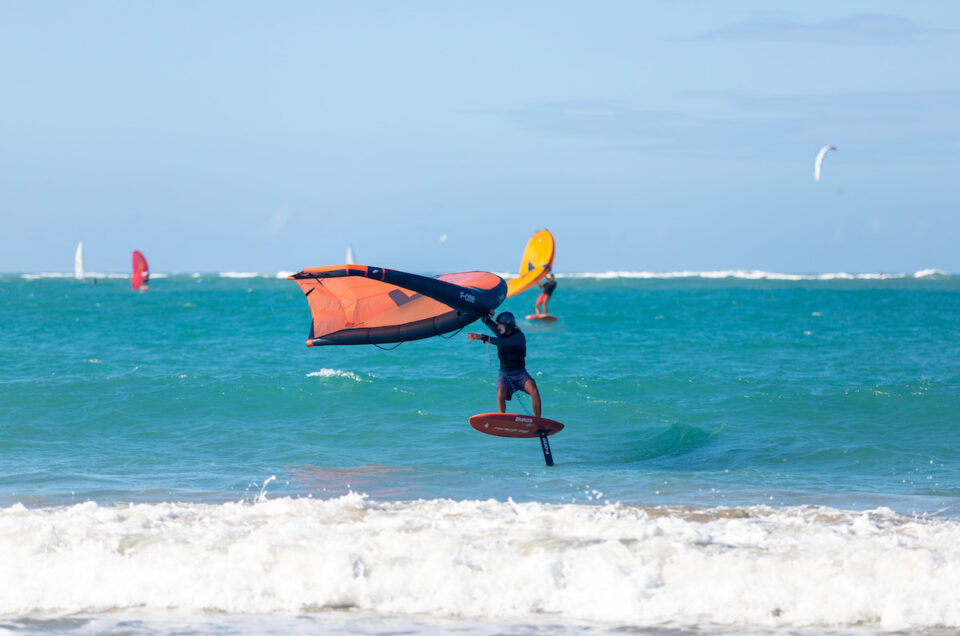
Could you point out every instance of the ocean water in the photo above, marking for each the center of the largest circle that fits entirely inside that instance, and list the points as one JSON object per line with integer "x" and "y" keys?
{"x": 743, "y": 452}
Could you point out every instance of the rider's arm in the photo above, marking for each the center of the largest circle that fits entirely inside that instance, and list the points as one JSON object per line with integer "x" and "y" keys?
{"x": 489, "y": 323}
{"x": 512, "y": 339}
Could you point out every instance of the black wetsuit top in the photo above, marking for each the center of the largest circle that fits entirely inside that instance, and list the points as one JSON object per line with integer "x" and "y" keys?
{"x": 511, "y": 349}
{"x": 549, "y": 286}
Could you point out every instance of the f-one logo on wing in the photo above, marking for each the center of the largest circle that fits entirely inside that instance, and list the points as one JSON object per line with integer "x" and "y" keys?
{"x": 470, "y": 298}
{"x": 527, "y": 420}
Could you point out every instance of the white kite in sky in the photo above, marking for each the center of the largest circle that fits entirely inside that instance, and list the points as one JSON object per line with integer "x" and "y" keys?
{"x": 819, "y": 161}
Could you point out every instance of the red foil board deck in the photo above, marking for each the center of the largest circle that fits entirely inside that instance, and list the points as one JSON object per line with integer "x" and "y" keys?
{"x": 513, "y": 424}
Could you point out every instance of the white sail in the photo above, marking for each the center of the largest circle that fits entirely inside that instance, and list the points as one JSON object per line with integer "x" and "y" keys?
{"x": 78, "y": 262}
{"x": 349, "y": 256}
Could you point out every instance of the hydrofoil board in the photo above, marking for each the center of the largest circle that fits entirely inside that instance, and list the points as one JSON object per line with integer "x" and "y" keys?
{"x": 516, "y": 425}
{"x": 541, "y": 318}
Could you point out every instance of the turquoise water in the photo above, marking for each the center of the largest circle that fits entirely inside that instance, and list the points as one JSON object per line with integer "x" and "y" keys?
{"x": 689, "y": 391}
{"x": 688, "y": 396}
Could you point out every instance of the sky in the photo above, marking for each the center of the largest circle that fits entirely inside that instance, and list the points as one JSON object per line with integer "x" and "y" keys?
{"x": 646, "y": 135}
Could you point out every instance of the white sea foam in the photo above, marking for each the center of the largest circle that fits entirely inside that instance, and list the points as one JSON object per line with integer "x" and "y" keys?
{"x": 106, "y": 275}
{"x": 924, "y": 273}
{"x": 87, "y": 275}
{"x": 334, "y": 373}
{"x": 241, "y": 275}
{"x": 753, "y": 275}
{"x": 47, "y": 275}
{"x": 718, "y": 274}
{"x": 755, "y": 567}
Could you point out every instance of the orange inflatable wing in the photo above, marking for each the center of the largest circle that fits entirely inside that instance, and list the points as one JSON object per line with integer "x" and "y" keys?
{"x": 357, "y": 304}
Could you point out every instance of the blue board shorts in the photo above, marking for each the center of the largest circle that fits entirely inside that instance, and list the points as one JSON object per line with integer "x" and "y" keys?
{"x": 513, "y": 382}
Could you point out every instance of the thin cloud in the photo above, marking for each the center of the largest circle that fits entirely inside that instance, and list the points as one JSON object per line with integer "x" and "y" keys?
{"x": 728, "y": 123}
{"x": 862, "y": 29}
{"x": 598, "y": 119}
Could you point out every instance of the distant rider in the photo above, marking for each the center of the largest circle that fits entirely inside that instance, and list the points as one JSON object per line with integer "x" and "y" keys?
{"x": 548, "y": 286}
{"x": 512, "y": 351}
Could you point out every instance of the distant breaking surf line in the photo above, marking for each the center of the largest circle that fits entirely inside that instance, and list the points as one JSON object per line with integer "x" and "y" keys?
{"x": 732, "y": 273}
{"x": 756, "y": 275}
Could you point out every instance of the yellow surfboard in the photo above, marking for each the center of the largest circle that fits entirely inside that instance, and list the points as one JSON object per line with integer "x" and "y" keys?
{"x": 537, "y": 262}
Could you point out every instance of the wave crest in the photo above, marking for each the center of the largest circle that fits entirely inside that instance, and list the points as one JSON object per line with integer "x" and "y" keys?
{"x": 754, "y": 275}
{"x": 617, "y": 565}
{"x": 335, "y": 373}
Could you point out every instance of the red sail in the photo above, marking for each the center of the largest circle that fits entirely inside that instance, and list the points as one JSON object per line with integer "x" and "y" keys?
{"x": 141, "y": 273}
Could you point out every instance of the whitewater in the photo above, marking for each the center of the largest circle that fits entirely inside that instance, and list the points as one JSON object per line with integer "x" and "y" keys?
{"x": 744, "y": 452}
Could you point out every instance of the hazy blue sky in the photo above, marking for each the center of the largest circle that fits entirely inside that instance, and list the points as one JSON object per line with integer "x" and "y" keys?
{"x": 647, "y": 135}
